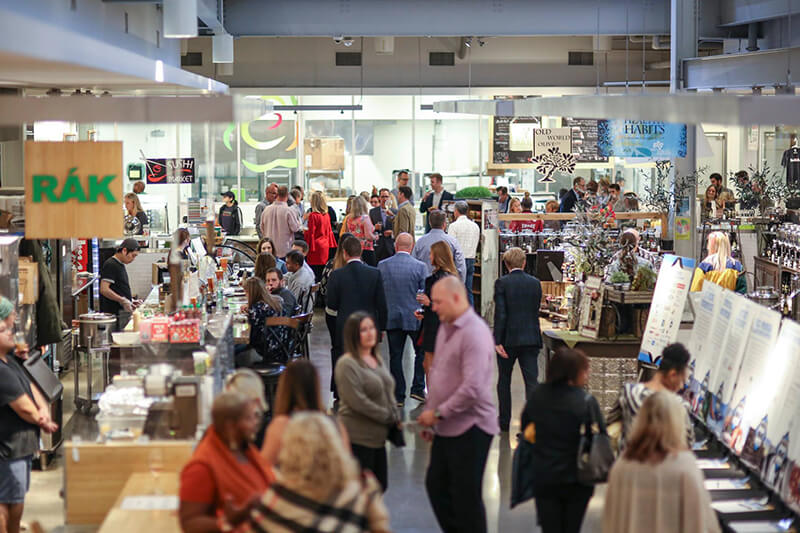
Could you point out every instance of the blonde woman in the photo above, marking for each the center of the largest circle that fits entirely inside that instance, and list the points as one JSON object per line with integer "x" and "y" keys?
{"x": 366, "y": 392}
{"x": 136, "y": 218}
{"x": 319, "y": 234}
{"x": 719, "y": 267}
{"x": 656, "y": 486}
{"x": 318, "y": 485}
{"x": 443, "y": 265}
{"x": 348, "y": 208}
{"x": 359, "y": 224}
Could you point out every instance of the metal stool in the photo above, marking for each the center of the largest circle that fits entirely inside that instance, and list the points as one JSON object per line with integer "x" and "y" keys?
{"x": 270, "y": 375}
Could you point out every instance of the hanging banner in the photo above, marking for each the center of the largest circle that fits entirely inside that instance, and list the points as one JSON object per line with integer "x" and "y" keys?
{"x": 669, "y": 299}
{"x": 545, "y": 139}
{"x": 73, "y": 189}
{"x": 641, "y": 138}
{"x": 175, "y": 170}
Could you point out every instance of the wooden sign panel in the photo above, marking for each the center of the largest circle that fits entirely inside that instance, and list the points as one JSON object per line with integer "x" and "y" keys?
{"x": 73, "y": 189}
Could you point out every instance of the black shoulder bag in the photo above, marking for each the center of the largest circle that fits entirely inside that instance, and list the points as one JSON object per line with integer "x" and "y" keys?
{"x": 595, "y": 455}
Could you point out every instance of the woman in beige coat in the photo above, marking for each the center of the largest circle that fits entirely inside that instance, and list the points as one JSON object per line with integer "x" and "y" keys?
{"x": 656, "y": 486}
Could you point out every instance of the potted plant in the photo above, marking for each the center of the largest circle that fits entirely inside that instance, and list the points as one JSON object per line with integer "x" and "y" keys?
{"x": 645, "y": 279}
{"x": 618, "y": 279}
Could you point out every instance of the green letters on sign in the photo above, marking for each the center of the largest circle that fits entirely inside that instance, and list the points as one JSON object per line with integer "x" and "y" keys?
{"x": 97, "y": 188}
{"x": 72, "y": 188}
{"x": 44, "y": 186}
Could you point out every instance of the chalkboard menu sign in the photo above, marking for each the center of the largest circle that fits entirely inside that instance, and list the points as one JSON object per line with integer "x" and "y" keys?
{"x": 512, "y": 139}
{"x": 584, "y": 139}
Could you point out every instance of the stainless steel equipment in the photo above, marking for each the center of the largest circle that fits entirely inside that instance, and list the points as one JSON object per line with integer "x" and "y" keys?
{"x": 95, "y": 330}
{"x": 91, "y": 358}
{"x": 766, "y": 296}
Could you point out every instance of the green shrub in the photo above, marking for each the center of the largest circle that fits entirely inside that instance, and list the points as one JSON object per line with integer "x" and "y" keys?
{"x": 474, "y": 192}
{"x": 619, "y": 277}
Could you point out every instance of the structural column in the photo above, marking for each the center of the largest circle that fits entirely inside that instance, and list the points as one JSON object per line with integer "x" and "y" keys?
{"x": 683, "y": 45}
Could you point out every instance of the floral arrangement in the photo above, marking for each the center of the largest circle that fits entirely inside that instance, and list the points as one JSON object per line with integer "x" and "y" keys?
{"x": 664, "y": 196}
{"x": 760, "y": 188}
{"x": 592, "y": 243}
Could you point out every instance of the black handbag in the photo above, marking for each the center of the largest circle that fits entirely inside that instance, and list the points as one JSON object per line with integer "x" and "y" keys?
{"x": 595, "y": 456}
{"x": 522, "y": 477}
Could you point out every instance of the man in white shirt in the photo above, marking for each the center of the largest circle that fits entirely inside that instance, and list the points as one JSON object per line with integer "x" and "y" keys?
{"x": 468, "y": 235}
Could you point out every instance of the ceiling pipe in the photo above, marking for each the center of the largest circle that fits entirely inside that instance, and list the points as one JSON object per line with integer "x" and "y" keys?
{"x": 752, "y": 37}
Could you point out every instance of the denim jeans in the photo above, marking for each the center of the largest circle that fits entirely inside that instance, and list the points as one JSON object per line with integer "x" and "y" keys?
{"x": 397, "y": 343}
{"x": 468, "y": 280}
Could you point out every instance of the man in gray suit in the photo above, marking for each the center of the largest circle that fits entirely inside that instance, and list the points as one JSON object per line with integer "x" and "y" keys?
{"x": 402, "y": 277}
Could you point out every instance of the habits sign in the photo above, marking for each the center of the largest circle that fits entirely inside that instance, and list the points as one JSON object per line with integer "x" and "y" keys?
{"x": 175, "y": 170}
{"x": 73, "y": 190}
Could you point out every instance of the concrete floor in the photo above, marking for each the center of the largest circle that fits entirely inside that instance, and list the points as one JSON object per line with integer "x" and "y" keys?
{"x": 406, "y": 498}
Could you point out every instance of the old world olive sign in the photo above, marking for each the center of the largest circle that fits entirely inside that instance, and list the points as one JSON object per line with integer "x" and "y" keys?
{"x": 73, "y": 189}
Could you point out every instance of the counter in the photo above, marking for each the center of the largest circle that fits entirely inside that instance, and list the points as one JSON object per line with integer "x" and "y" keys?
{"x": 161, "y": 520}
{"x": 95, "y": 474}
{"x": 612, "y": 361}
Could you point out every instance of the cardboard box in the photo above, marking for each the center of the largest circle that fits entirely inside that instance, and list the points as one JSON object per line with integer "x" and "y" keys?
{"x": 28, "y": 281}
{"x": 324, "y": 153}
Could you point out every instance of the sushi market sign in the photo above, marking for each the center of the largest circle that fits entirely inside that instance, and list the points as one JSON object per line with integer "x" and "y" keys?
{"x": 73, "y": 190}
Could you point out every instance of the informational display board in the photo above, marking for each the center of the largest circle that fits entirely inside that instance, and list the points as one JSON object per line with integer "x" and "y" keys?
{"x": 669, "y": 299}
{"x": 73, "y": 190}
{"x": 753, "y": 379}
{"x": 511, "y": 139}
{"x": 641, "y": 138}
{"x": 584, "y": 139}
{"x": 174, "y": 170}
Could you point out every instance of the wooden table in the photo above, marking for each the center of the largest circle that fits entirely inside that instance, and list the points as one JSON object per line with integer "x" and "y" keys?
{"x": 624, "y": 346}
{"x": 121, "y": 520}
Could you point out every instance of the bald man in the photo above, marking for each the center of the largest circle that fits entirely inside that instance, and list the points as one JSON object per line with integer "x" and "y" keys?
{"x": 460, "y": 409}
{"x": 402, "y": 277}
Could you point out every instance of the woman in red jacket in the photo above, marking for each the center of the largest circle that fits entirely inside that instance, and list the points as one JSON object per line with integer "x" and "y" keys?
{"x": 319, "y": 234}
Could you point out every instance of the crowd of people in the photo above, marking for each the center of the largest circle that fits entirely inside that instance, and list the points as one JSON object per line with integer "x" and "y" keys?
{"x": 318, "y": 469}
{"x": 317, "y": 464}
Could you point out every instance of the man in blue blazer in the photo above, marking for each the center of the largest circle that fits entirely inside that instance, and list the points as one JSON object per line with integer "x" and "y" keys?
{"x": 517, "y": 337}
{"x": 354, "y": 287}
{"x": 433, "y": 199}
{"x": 402, "y": 277}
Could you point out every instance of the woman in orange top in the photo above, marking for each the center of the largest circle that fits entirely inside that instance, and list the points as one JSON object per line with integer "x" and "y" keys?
{"x": 319, "y": 235}
{"x": 225, "y": 466}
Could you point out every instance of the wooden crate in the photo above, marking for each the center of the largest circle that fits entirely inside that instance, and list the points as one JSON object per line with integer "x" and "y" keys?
{"x": 554, "y": 288}
{"x": 628, "y": 297}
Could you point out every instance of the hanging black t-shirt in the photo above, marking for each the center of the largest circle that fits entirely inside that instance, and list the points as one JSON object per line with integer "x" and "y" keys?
{"x": 114, "y": 272}
{"x": 791, "y": 162}
{"x": 18, "y": 438}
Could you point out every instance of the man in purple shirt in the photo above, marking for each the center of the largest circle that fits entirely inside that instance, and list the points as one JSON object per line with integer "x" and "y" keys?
{"x": 460, "y": 410}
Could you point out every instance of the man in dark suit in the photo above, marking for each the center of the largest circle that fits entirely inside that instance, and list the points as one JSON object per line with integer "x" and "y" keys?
{"x": 383, "y": 219}
{"x": 517, "y": 337}
{"x": 433, "y": 199}
{"x": 569, "y": 200}
{"x": 354, "y": 287}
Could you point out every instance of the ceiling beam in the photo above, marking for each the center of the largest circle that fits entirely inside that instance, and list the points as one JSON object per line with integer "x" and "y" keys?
{"x": 371, "y": 18}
